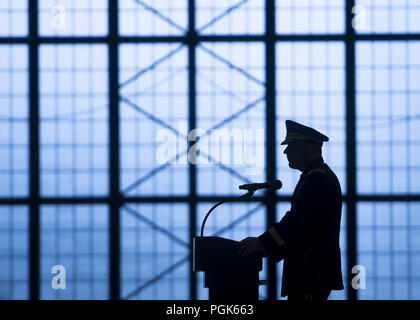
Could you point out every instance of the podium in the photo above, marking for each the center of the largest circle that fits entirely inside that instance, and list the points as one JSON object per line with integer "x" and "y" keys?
{"x": 228, "y": 275}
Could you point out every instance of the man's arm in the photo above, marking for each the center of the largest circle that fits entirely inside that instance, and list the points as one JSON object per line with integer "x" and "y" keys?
{"x": 294, "y": 229}
{"x": 250, "y": 245}
{"x": 273, "y": 241}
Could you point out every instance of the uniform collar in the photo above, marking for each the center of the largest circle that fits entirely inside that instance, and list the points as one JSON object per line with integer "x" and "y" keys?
{"x": 316, "y": 163}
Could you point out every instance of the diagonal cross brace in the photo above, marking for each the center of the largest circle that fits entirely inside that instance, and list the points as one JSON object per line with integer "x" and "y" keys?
{"x": 156, "y": 278}
{"x": 160, "y": 168}
{"x": 156, "y": 227}
{"x": 151, "y": 67}
{"x": 224, "y": 13}
{"x": 231, "y": 65}
{"x": 160, "y": 15}
{"x": 238, "y": 220}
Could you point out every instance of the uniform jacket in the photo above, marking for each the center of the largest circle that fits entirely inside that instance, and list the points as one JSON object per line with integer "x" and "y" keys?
{"x": 307, "y": 237}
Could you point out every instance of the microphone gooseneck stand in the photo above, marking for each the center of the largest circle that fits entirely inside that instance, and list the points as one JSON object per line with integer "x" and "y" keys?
{"x": 226, "y": 274}
{"x": 244, "y": 196}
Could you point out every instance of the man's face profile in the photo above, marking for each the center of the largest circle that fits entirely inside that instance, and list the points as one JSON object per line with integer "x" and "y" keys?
{"x": 291, "y": 154}
{"x": 295, "y": 153}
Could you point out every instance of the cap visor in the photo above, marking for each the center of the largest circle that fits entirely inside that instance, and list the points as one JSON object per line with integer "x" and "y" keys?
{"x": 287, "y": 141}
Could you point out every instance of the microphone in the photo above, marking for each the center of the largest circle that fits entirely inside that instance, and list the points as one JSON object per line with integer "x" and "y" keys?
{"x": 252, "y": 187}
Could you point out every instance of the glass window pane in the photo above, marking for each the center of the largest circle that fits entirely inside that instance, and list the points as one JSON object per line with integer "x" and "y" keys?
{"x": 152, "y": 18}
{"x": 153, "y": 119}
{"x": 387, "y": 247}
{"x": 73, "y": 18}
{"x": 14, "y": 125}
{"x": 14, "y": 259}
{"x": 378, "y": 16}
{"x": 387, "y": 98}
{"x": 230, "y": 17}
{"x": 75, "y": 237}
{"x": 74, "y": 120}
{"x": 154, "y": 251}
{"x": 230, "y": 116}
{"x": 310, "y": 16}
{"x": 13, "y": 18}
{"x": 311, "y": 90}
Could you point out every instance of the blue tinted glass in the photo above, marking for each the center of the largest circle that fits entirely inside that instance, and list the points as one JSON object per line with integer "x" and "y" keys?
{"x": 310, "y": 16}
{"x": 75, "y": 237}
{"x": 388, "y": 243}
{"x": 230, "y": 17}
{"x": 14, "y": 126}
{"x": 153, "y": 119}
{"x": 230, "y": 87}
{"x": 154, "y": 251}
{"x": 378, "y": 16}
{"x": 74, "y": 120}
{"x": 73, "y": 18}
{"x": 230, "y": 116}
{"x": 148, "y": 17}
{"x": 14, "y": 275}
{"x": 387, "y": 117}
{"x": 13, "y": 18}
{"x": 311, "y": 90}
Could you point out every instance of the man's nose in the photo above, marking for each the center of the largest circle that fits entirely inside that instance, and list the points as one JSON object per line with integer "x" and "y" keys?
{"x": 285, "y": 150}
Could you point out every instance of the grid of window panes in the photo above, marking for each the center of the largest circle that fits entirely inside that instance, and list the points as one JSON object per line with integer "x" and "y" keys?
{"x": 154, "y": 251}
{"x": 230, "y": 116}
{"x": 73, "y": 18}
{"x": 230, "y": 16}
{"x": 388, "y": 241}
{"x": 154, "y": 97}
{"x": 153, "y": 119}
{"x": 14, "y": 127}
{"x": 310, "y": 16}
{"x": 13, "y": 18}
{"x": 152, "y": 18}
{"x": 378, "y": 16}
{"x": 74, "y": 237}
{"x": 310, "y": 89}
{"x": 388, "y": 99}
{"x": 74, "y": 120}
{"x": 14, "y": 257}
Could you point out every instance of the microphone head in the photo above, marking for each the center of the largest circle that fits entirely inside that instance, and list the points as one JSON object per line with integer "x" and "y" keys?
{"x": 277, "y": 184}
{"x": 272, "y": 185}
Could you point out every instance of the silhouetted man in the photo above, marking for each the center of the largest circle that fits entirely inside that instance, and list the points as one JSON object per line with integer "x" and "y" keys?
{"x": 307, "y": 237}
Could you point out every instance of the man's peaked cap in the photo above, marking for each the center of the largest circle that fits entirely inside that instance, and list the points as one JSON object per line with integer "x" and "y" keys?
{"x": 299, "y": 132}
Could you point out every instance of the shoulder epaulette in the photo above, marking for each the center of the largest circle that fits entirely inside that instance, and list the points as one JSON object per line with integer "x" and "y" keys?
{"x": 316, "y": 170}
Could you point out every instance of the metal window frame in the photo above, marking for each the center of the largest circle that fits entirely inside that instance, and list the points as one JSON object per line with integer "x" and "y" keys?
{"x": 115, "y": 200}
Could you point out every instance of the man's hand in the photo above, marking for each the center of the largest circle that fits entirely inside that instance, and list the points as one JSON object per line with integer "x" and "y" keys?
{"x": 250, "y": 245}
